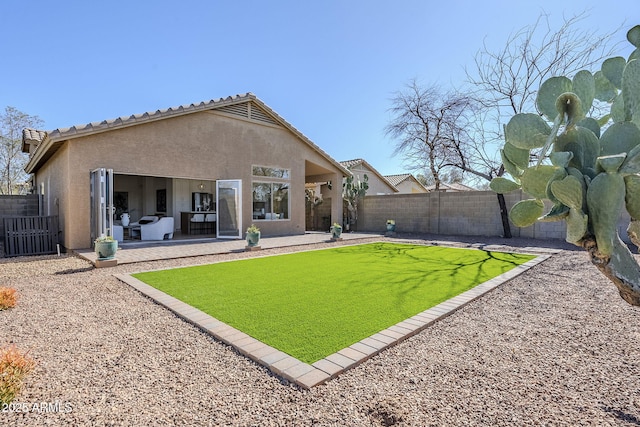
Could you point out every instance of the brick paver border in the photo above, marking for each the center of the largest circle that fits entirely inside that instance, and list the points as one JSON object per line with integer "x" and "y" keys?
{"x": 303, "y": 374}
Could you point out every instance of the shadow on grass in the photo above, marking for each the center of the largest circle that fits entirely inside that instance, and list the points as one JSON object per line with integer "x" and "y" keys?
{"x": 407, "y": 268}
{"x": 311, "y": 304}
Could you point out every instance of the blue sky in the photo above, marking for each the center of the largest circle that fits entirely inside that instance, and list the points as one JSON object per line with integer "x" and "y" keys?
{"x": 328, "y": 67}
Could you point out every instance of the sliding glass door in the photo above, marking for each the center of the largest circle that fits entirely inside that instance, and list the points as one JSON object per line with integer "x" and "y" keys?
{"x": 229, "y": 209}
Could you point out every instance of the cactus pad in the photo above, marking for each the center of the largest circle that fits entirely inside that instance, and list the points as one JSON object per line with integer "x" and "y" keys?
{"x": 548, "y": 94}
{"x": 577, "y": 225}
{"x": 619, "y": 138}
{"x": 518, "y": 156}
{"x": 527, "y": 131}
{"x": 568, "y": 191}
{"x": 535, "y": 179}
{"x": 612, "y": 69}
{"x": 631, "y": 90}
{"x": 584, "y": 85}
{"x": 605, "y": 197}
{"x": 526, "y": 212}
{"x": 632, "y": 195}
{"x": 503, "y": 185}
{"x": 633, "y": 35}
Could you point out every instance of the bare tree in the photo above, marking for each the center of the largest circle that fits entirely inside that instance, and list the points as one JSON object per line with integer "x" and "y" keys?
{"x": 452, "y": 176}
{"x": 426, "y": 122}
{"x": 505, "y": 82}
{"x": 12, "y": 159}
{"x": 438, "y": 130}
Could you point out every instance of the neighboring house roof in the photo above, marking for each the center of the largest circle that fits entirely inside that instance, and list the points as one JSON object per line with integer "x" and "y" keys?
{"x": 49, "y": 142}
{"x": 350, "y": 164}
{"x": 400, "y": 178}
{"x": 451, "y": 187}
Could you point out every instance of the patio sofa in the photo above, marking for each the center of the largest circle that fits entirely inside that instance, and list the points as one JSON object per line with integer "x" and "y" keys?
{"x": 153, "y": 228}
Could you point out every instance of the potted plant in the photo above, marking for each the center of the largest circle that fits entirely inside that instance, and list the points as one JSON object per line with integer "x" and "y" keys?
{"x": 336, "y": 230}
{"x": 105, "y": 247}
{"x": 253, "y": 236}
{"x": 391, "y": 225}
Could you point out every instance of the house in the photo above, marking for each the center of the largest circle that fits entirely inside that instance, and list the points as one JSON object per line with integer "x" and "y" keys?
{"x": 234, "y": 160}
{"x": 452, "y": 187}
{"x": 406, "y": 183}
{"x": 378, "y": 184}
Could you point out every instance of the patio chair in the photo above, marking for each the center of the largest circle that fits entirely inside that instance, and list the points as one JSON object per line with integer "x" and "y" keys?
{"x": 209, "y": 222}
{"x": 159, "y": 230}
{"x": 197, "y": 223}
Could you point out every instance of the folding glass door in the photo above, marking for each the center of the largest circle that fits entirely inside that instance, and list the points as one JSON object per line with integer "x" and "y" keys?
{"x": 102, "y": 208}
{"x": 229, "y": 209}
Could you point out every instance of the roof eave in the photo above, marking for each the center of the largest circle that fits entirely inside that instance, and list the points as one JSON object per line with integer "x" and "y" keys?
{"x": 64, "y": 134}
{"x": 41, "y": 150}
{"x": 311, "y": 144}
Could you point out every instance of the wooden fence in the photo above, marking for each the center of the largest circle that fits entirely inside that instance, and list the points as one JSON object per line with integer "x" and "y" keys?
{"x": 30, "y": 235}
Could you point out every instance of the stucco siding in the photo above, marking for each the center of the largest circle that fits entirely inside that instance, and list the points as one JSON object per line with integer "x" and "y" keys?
{"x": 52, "y": 182}
{"x": 376, "y": 185}
{"x": 205, "y": 146}
{"x": 410, "y": 187}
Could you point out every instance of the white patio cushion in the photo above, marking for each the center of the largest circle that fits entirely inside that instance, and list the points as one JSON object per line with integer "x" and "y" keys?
{"x": 197, "y": 217}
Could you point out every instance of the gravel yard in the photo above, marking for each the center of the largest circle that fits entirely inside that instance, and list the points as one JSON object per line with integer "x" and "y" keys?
{"x": 555, "y": 346}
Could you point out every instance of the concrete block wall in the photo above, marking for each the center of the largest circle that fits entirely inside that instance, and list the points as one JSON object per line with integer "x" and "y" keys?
{"x": 26, "y": 205}
{"x": 474, "y": 213}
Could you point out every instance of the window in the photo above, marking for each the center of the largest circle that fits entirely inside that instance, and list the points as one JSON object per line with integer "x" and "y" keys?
{"x": 271, "y": 172}
{"x": 270, "y": 193}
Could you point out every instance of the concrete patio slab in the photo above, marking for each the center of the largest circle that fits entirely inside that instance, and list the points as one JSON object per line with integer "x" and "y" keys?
{"x": 141, "y": 251}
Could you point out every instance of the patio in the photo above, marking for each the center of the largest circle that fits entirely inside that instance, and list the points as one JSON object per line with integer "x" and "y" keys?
{"x": 140, "y": 251}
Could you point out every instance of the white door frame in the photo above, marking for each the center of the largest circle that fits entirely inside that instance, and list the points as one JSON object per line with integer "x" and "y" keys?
{"x": 232, "y": 224}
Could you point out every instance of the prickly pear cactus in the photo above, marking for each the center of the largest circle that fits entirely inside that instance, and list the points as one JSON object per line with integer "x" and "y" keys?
{"x": 587, "y": 167}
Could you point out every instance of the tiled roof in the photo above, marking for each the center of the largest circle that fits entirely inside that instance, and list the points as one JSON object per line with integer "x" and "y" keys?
{"x": 397, "y": 179}
{"x": 33, "y": 134}
{"x": 94, "y": 127}
{"x": 451, "y": 187}
{"x": 351, "y": 163}
{"x": 62, "y": 134}
{"x": 80, "y": 130}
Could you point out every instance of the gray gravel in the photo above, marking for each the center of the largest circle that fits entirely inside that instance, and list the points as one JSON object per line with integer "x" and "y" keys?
{"x": 555, "y": 346}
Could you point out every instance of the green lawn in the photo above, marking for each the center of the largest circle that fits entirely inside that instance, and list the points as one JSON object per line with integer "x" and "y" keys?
{"x": 312, "y": 304}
